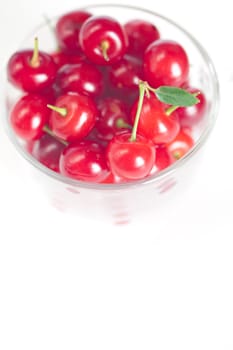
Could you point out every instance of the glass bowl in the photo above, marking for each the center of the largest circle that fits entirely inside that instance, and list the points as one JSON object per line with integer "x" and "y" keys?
{"x": 120, "y": 203}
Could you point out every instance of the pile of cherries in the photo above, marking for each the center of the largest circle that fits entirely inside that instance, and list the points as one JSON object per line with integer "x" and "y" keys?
{"x": 113, "y": 104}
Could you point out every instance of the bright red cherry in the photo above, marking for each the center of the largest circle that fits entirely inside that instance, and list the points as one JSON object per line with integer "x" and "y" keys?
{"x": 103, "y": 40}
{"x": 84, "y": 161}
{"x": 68, "y": 28}
{"x": 132, "y": 160}
{"x": 31, "y": 71}
{"x": 140, "y": 34}
{"x": 83, "y": 78}
{"x": 154, "y": 124}
{"x": 180, "y": 145}
{"x": 190, "y": 116}
{"x": 126, "y": 73}
{"x": 162, "y": 160}
{"x": 113, "y": 117}
{"x": 165, "y": 63}
{"x": 73, "y": 116}
{"x": 29, "y": 116}
{"x": 47, "y": 150}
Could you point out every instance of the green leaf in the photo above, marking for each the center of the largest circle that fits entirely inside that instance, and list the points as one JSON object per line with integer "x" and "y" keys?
{"x": 176, "y": 96}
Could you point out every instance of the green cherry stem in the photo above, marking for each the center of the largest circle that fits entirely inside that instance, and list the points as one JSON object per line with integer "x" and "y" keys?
{"x": 62, "y": 111}
{"x": 104, "y": 48}
{"x": 142, "y": 90}
{"x": 35, "y": 60}
{"x": 48, "y": 131}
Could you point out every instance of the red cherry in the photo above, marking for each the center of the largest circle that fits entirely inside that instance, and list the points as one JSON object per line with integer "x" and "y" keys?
{"x": 60, "y": 58}
{"x": 103, "y": 40}
{"x": 73, "y": 116}
{"x": 180, "y": 145}
{"x": 113, "y": 179}
{"x": 29, "y": 116}
{"x": 47, "y": 150}
{"x": 31, "y": 71}
{"x": 84, "y": 161}
{"x": 140, "y": 34}
{"x": 190, "y": 116}
{"x": 68, "y": 28}
{"x": 165, "y": 63}
{"x": 83, "y": 78}
{"x": 113, "y": 117}
{"x": 132, "y": 160}
{"x": 126, "y": 73}
{"x": 154, "y": 124}
{"x": 162, "y": 160}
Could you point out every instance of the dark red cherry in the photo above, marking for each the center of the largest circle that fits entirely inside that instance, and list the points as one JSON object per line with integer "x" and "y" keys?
{"x": 132, "y": 160}
{"x": 31, "y": 71}
{"x": 68, "y": 28}
{"x": 84, "y": 78}
{"x": 162, "y": 160}
{"x": 103, "y": 40}
{"x": 72, "y": 117}
{"x": 140, "y": 34}
{"x": 84, "y": 161}
{"x": 113, "y": 118}
{"x": 29, "y": 116}
{"x": 165, "y": 63}
{"x": 60, "y": 58}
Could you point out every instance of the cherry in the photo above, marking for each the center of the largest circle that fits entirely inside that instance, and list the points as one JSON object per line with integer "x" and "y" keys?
{"x": 154, "y": 123}
{"x": 165, "y": 63}
{"x": 61, "y": 58}
{"x": 192, "y": 115}
{"x": 31, "y": 71}
{"x": 73, "y": 116}
{"x": 126, "y": 73}
{"x": 162, "y": 160}
{"x": 82, "y": 77}
{"x": 47, "y": 150}
{"x": 113, "y": 117}
{"x": 140, "y": 34}
{"x": 103, "y": 40}
{"x": 182, "y": 143}
{"x": 84, "y": 161}
{"x": 68, "y": 28}
{"x": 29, "y": 116}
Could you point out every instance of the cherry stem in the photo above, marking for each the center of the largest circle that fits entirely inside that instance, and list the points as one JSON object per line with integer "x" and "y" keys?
{"x": 62, "y": 111}
{"x": 35, "y": 60}
{"x": 172, "y": 109}
{"x": 49, "y": 132}
{"x": 120, "y": 123}
{"x": 142, "y": 90}
{"x": 104, "y": 48}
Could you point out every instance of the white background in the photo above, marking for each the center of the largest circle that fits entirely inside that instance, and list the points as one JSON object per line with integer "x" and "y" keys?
{"x": 69, "y": 283}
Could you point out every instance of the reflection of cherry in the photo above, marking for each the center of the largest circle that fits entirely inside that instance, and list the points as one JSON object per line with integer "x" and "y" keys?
{"x": 67, "y": 30}
{"x": 72, "y": 117}
{"x": 84, "y": 161}
{"x": 29, "y": 116}
{"x": 165, "y": 63}
{"x": 140, "y": 34}
{"x": 31, "y": 71}
{"x": 103, "y": 40}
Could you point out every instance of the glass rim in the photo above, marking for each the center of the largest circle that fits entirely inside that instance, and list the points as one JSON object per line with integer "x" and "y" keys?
{"x": 161, "y": 174}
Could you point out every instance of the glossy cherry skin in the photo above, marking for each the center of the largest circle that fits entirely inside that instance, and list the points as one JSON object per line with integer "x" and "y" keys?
{"x": 154, "y": 124}
{"x": 83, "y": 78}
{"x": 182, "y": 143}
{"x": 162, "y": 160}
{"x": 140, "y": 34}
{"x": 132, "y": 160}
{"x": 165, "y": 63}
{"x": 99, "y": 30}
{"x": 24, "y": 76}
{"x": 47, "y": 150}
{"x": 126, "y": 73}
{"x": 67, "y": 30}
{"x": 29, "y": 116}
{"x": 111, "y": 110}
{"x": 79, "y": 120}
{"x": 190, "y": 116}
{"x": 60, "y": 58}
{"x": 84, "y": 161}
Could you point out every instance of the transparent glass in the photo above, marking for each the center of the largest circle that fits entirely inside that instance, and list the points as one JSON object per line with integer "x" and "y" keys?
{"x": 119, "y": 203}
